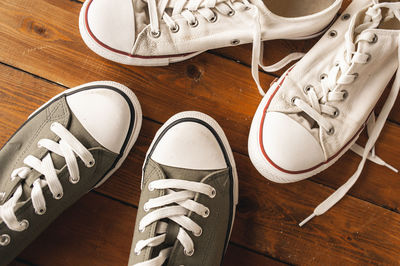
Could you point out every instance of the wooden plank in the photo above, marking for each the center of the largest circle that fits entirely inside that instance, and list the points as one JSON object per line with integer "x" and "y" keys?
{"x": 236, "y": 256}
{"x": 198, "y": 84}
{"x": 354, "y": 231}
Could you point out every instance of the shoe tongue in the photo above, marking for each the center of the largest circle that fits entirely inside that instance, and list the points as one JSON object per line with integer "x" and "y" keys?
{"x": 185, "y": 174}
{"x": 141, "y": 15}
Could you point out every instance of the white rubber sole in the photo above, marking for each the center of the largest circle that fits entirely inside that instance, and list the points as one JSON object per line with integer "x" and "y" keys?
{"x": 264, "y": 167}
{"x": 136, "y": 127}
{"x": 211, "y": 122}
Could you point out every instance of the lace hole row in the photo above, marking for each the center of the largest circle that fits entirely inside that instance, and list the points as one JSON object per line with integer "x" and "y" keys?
{"x": 193, "y": 24}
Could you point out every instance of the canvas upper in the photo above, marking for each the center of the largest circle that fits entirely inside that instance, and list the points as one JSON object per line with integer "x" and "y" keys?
{"x": 158, "y": 32}
{"x": 317, "y": 109}
{"x": 189, "y": 194}
{"x": 58, "y": 155}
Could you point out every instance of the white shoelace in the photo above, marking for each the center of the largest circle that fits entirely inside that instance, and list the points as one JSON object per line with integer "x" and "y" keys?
{"x": 340, "y": 75}
{"x": 68, "y": 147}
{"x": 225, "y": 7}
{"x": 186, "y": 9}
{"x": 174, "y": 206}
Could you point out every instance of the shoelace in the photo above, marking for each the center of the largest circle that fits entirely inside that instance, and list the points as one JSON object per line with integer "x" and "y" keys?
{"x": 225, "y": 7}
{"x": 68, "y": 147}
{"x": 186, "y": 9}
{"x": 174, "y": 206}
{"x": 340, "y": 74}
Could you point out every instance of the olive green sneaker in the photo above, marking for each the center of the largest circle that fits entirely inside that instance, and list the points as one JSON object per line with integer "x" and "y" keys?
{"x": 70, "y": 145}
{"x": 189, "y": 195}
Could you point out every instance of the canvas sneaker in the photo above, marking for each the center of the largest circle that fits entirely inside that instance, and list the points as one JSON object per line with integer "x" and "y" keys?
{"x": 189, "y": 195}
{"x": 156, "y": 33}
{"x": 316, "y": 111}
{"x": 68, "y": 146}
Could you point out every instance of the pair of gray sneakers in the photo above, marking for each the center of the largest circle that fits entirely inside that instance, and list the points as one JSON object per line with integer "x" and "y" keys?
{"x": 78, "y": 139}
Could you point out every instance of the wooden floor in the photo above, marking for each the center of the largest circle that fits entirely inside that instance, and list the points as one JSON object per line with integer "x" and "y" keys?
{"x": 42, "y": 54}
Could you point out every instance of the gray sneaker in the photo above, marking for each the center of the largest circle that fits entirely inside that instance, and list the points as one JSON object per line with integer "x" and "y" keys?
{"x": 189, "y": 195}
{"x": 70, "y": 145}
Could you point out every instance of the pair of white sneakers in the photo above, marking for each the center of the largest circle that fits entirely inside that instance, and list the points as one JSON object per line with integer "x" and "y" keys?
{"x": 316, "y": 110}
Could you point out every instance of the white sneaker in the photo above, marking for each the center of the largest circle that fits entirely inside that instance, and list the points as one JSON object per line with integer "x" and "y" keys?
{"x": 159, "y": 32}
{"x": 316, "y": 111}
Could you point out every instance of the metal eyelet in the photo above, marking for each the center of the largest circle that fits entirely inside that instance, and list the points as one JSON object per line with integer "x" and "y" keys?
{"x": 293, "y": 100}
{"x": 333, "y": 33}
{"x": 155, "y": 34}
{"x": 174, "y": 29}
{"x": 331, "y": 131}
{"x": 374, "y": 39}
{"x": 345, "y": 94}
{"x": 198, "y": 233}
{"x": 214, "y": 18}
{"x": 91, "y": 163}
{"x": 194, "y": 24}
{"x": 323, "y": 76}
{"x": 24, "y": 224}
{"x": 189, "y": 253}
{"x": 41, "y": 211}
{"x": 307, "y": 88}
{"x": 346, "y": 16}
{"x": 213, "y": 193}
{"x": 5, "y": 240}
{"x": 141, "y": 230}
{"x": 150, "y": 187}
{"x": 137, "y": 252}
{"x": 235, "y": 42}
{"x": 145, "y": 208}
{"x": 73, "y": 181}
{"x": 206, "y": 213}
{"x": 59, "y": 196}
{"x": 231, "y": 13}
{"x": 335, "y": 113}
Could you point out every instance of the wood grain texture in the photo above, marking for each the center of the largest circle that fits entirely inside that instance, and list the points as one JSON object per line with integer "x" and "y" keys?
{"x": 206, "y": 83}
{"x": 41, "y": 37}
{"x": 355, "y": 231}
